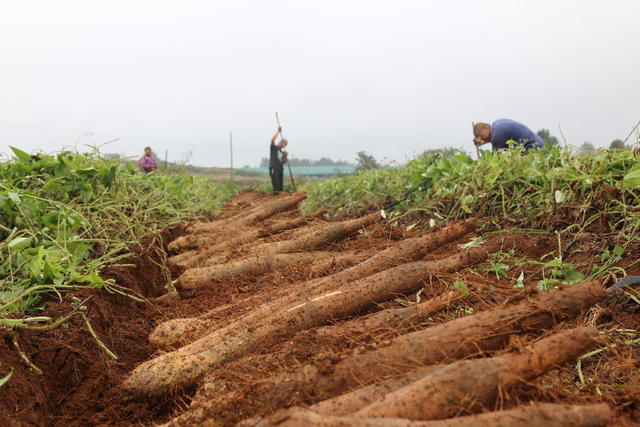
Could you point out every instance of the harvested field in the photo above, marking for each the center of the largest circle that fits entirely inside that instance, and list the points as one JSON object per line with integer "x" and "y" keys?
{"x": 305, "y": 320}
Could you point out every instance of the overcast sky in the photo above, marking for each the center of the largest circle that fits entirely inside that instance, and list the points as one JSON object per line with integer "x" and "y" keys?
{"x": 392, "y": 78}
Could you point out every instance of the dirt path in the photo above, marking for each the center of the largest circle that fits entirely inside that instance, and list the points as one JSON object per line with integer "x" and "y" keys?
{"x": 305, "y": 330}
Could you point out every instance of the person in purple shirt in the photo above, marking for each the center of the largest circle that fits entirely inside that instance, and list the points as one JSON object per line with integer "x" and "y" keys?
{"x": 503, "y": 130}
{"x": 147, "y": 163}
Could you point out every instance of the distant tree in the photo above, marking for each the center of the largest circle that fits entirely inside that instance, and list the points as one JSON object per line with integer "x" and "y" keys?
{"x": 366, "y": 161}
{"x": 588, "y": 147}
{"x": 617, "y": 144}
{"x": 548, "y": 139}
{"x": 323, "y": 161}
{"x": 341, "y": 163}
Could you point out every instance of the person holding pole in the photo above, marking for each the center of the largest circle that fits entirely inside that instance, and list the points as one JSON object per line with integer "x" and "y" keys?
{"x": 277, "y": 158}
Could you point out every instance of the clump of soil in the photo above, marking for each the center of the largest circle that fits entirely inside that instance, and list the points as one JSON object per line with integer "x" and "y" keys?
{"x": 77, "y": 375}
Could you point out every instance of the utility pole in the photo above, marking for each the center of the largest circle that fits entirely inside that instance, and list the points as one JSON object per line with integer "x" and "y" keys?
{"x": 231, "y": 153}
{"x": 166, "y": 159}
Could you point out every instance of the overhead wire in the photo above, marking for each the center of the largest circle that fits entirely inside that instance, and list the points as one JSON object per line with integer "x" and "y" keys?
{"x": 129, "y": 138}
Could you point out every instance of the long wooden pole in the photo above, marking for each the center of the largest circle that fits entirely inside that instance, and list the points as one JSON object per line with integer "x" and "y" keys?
{"x": 293, "y": 184}
{"x": 473, "y": 125}
{"x": 231, "y": 154}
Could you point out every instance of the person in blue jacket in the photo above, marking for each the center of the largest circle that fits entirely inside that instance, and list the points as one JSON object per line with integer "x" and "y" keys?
{"x": 503, "y": 130}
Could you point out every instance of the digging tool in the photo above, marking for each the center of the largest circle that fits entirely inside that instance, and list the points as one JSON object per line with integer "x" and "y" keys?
{"x": 293, "y": 184}
{"x": 473, "y": 125}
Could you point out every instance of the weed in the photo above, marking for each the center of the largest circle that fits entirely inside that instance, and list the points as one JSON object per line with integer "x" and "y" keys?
{"x": 555, "y": 272}
{"x": 462, "y": 287}
{"x": 66, "y": 217}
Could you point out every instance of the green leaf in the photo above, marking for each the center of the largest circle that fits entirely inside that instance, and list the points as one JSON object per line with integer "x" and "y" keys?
{"x": 618, "y": 250}
{"x": 6, "y": 378}
{"x": 78, "y": 250}
{"x": 573, "y": 277}
{"x": 556, "y": 273}
{"x": 107, "y": 176}
{"x": 87, "y": 171}
{"x": 560, "y": 196}
{"x": 499, "y": 269}
{"x": 51, "y": 219}
{"x": 464, "y": 203}
{"x": 473, "y": 243}
{"x": 21, "y": 155}
{"x": 15, "y": 197}
{"x": 74, "y": 221}
{"x": 553, "y": 263}
{"x": 464, "y": 290}
{"x": 547, "y": 284}
{"x": 36, "y": 263}
{"x": 49, "y": 274}
{"x": 467, "y": 199}
{"x": 86, "y": 190}
{"x": 92, "y": 278}
{"x": 632, "y": 179}
{"x": 19, "y": 243}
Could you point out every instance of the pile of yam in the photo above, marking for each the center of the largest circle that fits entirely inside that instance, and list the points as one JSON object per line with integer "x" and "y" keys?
{"x": 455, "y": 373}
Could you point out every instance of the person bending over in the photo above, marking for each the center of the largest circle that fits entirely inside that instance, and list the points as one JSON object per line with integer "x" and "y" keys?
{"x": 503, "y": 130}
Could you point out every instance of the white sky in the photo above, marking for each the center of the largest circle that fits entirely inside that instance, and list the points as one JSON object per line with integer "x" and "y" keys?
{"x": 389, "y": 77}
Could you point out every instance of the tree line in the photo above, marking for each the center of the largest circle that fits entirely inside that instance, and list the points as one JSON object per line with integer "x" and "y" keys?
{"x": 588, "y": 147}
{"x": 323, "y": 161}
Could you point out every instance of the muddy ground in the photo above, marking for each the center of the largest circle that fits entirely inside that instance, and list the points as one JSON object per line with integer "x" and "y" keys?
{"x": 79, "y": 384}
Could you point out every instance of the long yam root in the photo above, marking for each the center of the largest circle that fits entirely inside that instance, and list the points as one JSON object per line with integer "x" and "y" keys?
{"x": 392, "y": 319}
{"x": 471, "y": 385}
{"x": 183, "y": 367}
{"x": 196, "y": 278}
{"x": 316, "y": 239}
{"x": 405, "y": 250}
{"x": 258, "y": 214}
{"x": 359, "y": 398}
{"x": 203, "y": 246}
{"x": 483, "y": 331}
{"x": 178, "y": 332}
{"x": 537, "y": 415}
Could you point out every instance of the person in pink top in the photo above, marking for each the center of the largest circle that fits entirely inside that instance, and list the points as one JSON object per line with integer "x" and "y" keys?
{"x": 147, "y": 162}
